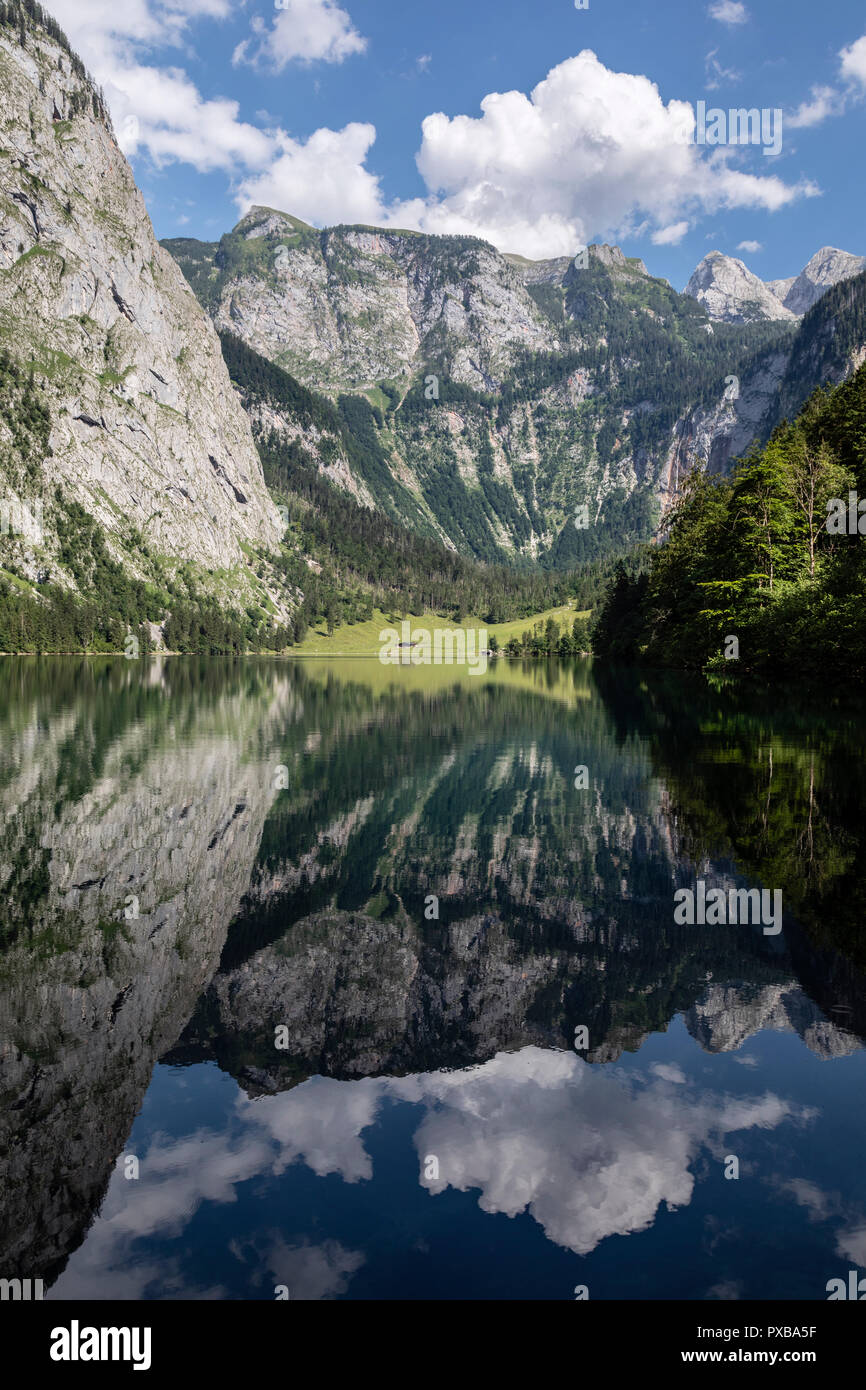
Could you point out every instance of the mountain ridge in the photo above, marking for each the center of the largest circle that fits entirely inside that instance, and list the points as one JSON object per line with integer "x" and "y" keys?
{"x": 503, "y": 396}
{"x": 732, "y": 293}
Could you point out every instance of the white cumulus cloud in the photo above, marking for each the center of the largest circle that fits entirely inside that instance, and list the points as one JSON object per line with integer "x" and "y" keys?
{"x": 853, "y": 61}
{"x": 322, "y": 180}
{"x": 589, "y": 152}
{"x": 305, "y": 31}
{"x": 670, "y": 236}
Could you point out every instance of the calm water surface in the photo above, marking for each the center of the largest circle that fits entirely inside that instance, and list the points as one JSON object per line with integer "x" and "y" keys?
{"x": 239, "y": 1051}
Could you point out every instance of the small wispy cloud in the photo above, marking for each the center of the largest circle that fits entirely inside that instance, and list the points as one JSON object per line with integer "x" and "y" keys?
{"x": 824, "y": 102}
{"x": 716, "y": 74}
{"x": 729, "y": 12}
{"x": 751, "y": 246}
{"x": 304, "y": 31}
{"x": 670, "y": 236}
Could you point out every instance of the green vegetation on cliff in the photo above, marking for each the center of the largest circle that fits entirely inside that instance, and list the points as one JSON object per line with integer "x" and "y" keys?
{"x": 366, "y": 559}
{"x": 756, "y": 557}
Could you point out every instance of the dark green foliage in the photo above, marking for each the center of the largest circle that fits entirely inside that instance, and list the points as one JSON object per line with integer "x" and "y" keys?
{"x": 197, "y": 260}
{"x": 24, "y": 412}
{"x": 51, "y": 619}
{"x": 751, "y": 558}
{"x": 552, "y": 639}
{"x": 829, "y": 334}
{"x": 360, "y": 438}
{"x": 109, "y": 604}
{"x": 352, "y": 426}
{"x": 617, "y": 632}
{"x": 623, "y": 517}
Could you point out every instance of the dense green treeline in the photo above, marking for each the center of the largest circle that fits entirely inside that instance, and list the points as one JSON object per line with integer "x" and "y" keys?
{"x": 830, "y": 334}
{"x": 764, "y": 571}
{"x": 24, "y": 412}
{"x": 109, "y": 606}
{"x": 551, "y": 639}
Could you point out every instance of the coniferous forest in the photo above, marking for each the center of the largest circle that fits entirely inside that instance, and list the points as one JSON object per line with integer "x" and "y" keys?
{"x": 763, "y": 571}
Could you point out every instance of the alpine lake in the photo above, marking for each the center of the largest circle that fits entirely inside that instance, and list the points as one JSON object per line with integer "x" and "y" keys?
{"x": 324, "y": 979}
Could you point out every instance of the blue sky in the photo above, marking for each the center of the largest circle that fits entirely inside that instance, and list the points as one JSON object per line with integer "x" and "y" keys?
{"x": 371, "y": 111}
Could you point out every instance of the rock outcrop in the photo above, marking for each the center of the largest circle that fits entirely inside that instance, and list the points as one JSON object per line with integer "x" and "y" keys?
{"x": 826, "y": 268}
{"x": 730, "y": 293}
{"x": 146, "y": 431}
{"x": 117, "y": 907}
{"x": 504, "y": 395}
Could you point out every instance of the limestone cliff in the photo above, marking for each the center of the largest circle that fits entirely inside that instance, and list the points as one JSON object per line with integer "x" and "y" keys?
{"x": 145, "y": 431}
{"x": 502, "y": 396}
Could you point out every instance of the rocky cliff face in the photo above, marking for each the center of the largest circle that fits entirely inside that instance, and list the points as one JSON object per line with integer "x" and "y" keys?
{"x": 503, "y": 396}
{"x": 362, "y": 997}
{"x": 353, "y": 306}
{"x": 545, "y": 409}
{"x": 731, "y": 293}
{"x": 724, "y": 430}
{"x": 827, "y": 267}
{"x": 145, "y": 429}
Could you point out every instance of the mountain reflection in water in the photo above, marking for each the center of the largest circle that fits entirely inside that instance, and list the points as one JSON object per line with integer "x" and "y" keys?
{"x": 205, "y": 857}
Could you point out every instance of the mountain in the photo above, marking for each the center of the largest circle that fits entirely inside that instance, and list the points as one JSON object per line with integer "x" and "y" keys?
{"x": 731, "y": 293}
{"x": 133, "y": 502}
{"x": 118, "y": 415}
{"x": 531, "y": 414}
{"x": 780, "y": 287}
{"x": 829, "y": 347}
{"x": 826, "y": 268}
{"x": 516, "y": 410}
